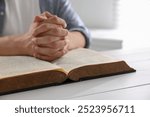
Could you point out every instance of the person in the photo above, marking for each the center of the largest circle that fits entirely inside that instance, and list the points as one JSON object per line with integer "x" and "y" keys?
{"x": 55, "y": 28}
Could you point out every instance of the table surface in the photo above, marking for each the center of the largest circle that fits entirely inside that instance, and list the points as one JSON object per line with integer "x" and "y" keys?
{"x": 125, "y": 86}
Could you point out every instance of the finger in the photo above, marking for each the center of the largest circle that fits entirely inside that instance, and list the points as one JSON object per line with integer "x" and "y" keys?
{"x": 44, "y": 51}
{"x": 42, "y": 17}
{"x": 47, "y": 51}
{"x": 52, "y": 57}
{"x": 58, "y": 44}
{"x": 51, "y": 48}
{"x": 46, "y": 58}
{"x": 39, "y": 18}
{"x": 49, "y": 29}
{"x": 66, "y": 48}
{"x": 56, "y": 20}
{"x": 47, "y": 14}
{"x": 45, "y": 40}
{"x": 59, "y": 32}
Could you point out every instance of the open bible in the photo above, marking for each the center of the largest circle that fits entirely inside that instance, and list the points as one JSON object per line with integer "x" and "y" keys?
{"x": 22, "y": 72}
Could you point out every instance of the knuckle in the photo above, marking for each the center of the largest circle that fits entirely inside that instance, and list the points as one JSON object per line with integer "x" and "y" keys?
{"x": 34, "y": 32}
{"x": 37, "y": 49}
{"x": 48, "y": 13}
{"x": 34, "y": 40}
{"x": 61, "y": 53}
{"x": 66, "y": 32}
{"x": 55, "y": 45}
{"x": 37, "y": 41}
{"x": 45, "y": 26}
{"x": 55, "y": 18}
{"x": 65, "y": 42}
{"x": 45, "y": 12}
{"x": 56, "y": 30}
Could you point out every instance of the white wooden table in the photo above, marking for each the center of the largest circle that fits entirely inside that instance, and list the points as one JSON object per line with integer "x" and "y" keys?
{"x": 126, "y": 86}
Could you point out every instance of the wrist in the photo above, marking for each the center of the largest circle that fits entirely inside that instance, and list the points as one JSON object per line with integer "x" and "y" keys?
{"x": 25, "y": 44}
{"x": 22, "y": 44}
{"x": 10, "y": 45}
{"x": 76, "y": 40}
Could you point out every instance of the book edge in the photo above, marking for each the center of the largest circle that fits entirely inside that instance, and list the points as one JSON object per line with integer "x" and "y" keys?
{"x": 85, "y": 72}
{"x": 31, "y": 81}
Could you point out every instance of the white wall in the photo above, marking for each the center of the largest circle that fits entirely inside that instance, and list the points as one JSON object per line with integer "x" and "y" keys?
{"x": 134, "y": 23}
{"x": 96, "y": 13}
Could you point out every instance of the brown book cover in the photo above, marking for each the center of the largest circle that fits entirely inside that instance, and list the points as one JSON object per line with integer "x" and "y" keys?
{"x": 18, "y": 73}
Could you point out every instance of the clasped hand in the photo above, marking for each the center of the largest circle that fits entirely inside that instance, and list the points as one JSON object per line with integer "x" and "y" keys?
{"x": 47, "y": 37}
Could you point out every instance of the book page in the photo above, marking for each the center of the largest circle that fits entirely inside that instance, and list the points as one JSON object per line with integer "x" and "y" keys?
{"x": 82, "y": 57}
{"x": 19, "y": 65}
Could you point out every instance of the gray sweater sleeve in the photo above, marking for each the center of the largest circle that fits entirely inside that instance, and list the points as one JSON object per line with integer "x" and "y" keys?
{"x": 64, "y": 10}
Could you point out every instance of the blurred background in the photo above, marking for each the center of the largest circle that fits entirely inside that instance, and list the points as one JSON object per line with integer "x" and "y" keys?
{"x": 116, "y": 24}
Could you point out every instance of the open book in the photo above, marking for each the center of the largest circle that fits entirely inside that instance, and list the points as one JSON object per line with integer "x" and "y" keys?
{"x": 22, "y": 72}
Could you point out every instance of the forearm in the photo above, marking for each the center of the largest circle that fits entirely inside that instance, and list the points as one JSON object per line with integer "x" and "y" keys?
{"x": 12, "y": 45}
{"x": 76, "y": 40}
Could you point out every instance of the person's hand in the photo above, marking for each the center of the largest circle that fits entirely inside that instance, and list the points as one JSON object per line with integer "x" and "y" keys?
{"x": 52, "y": 44}
{"x": 48, "y": 37}
{"x": 46, "y": 17}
